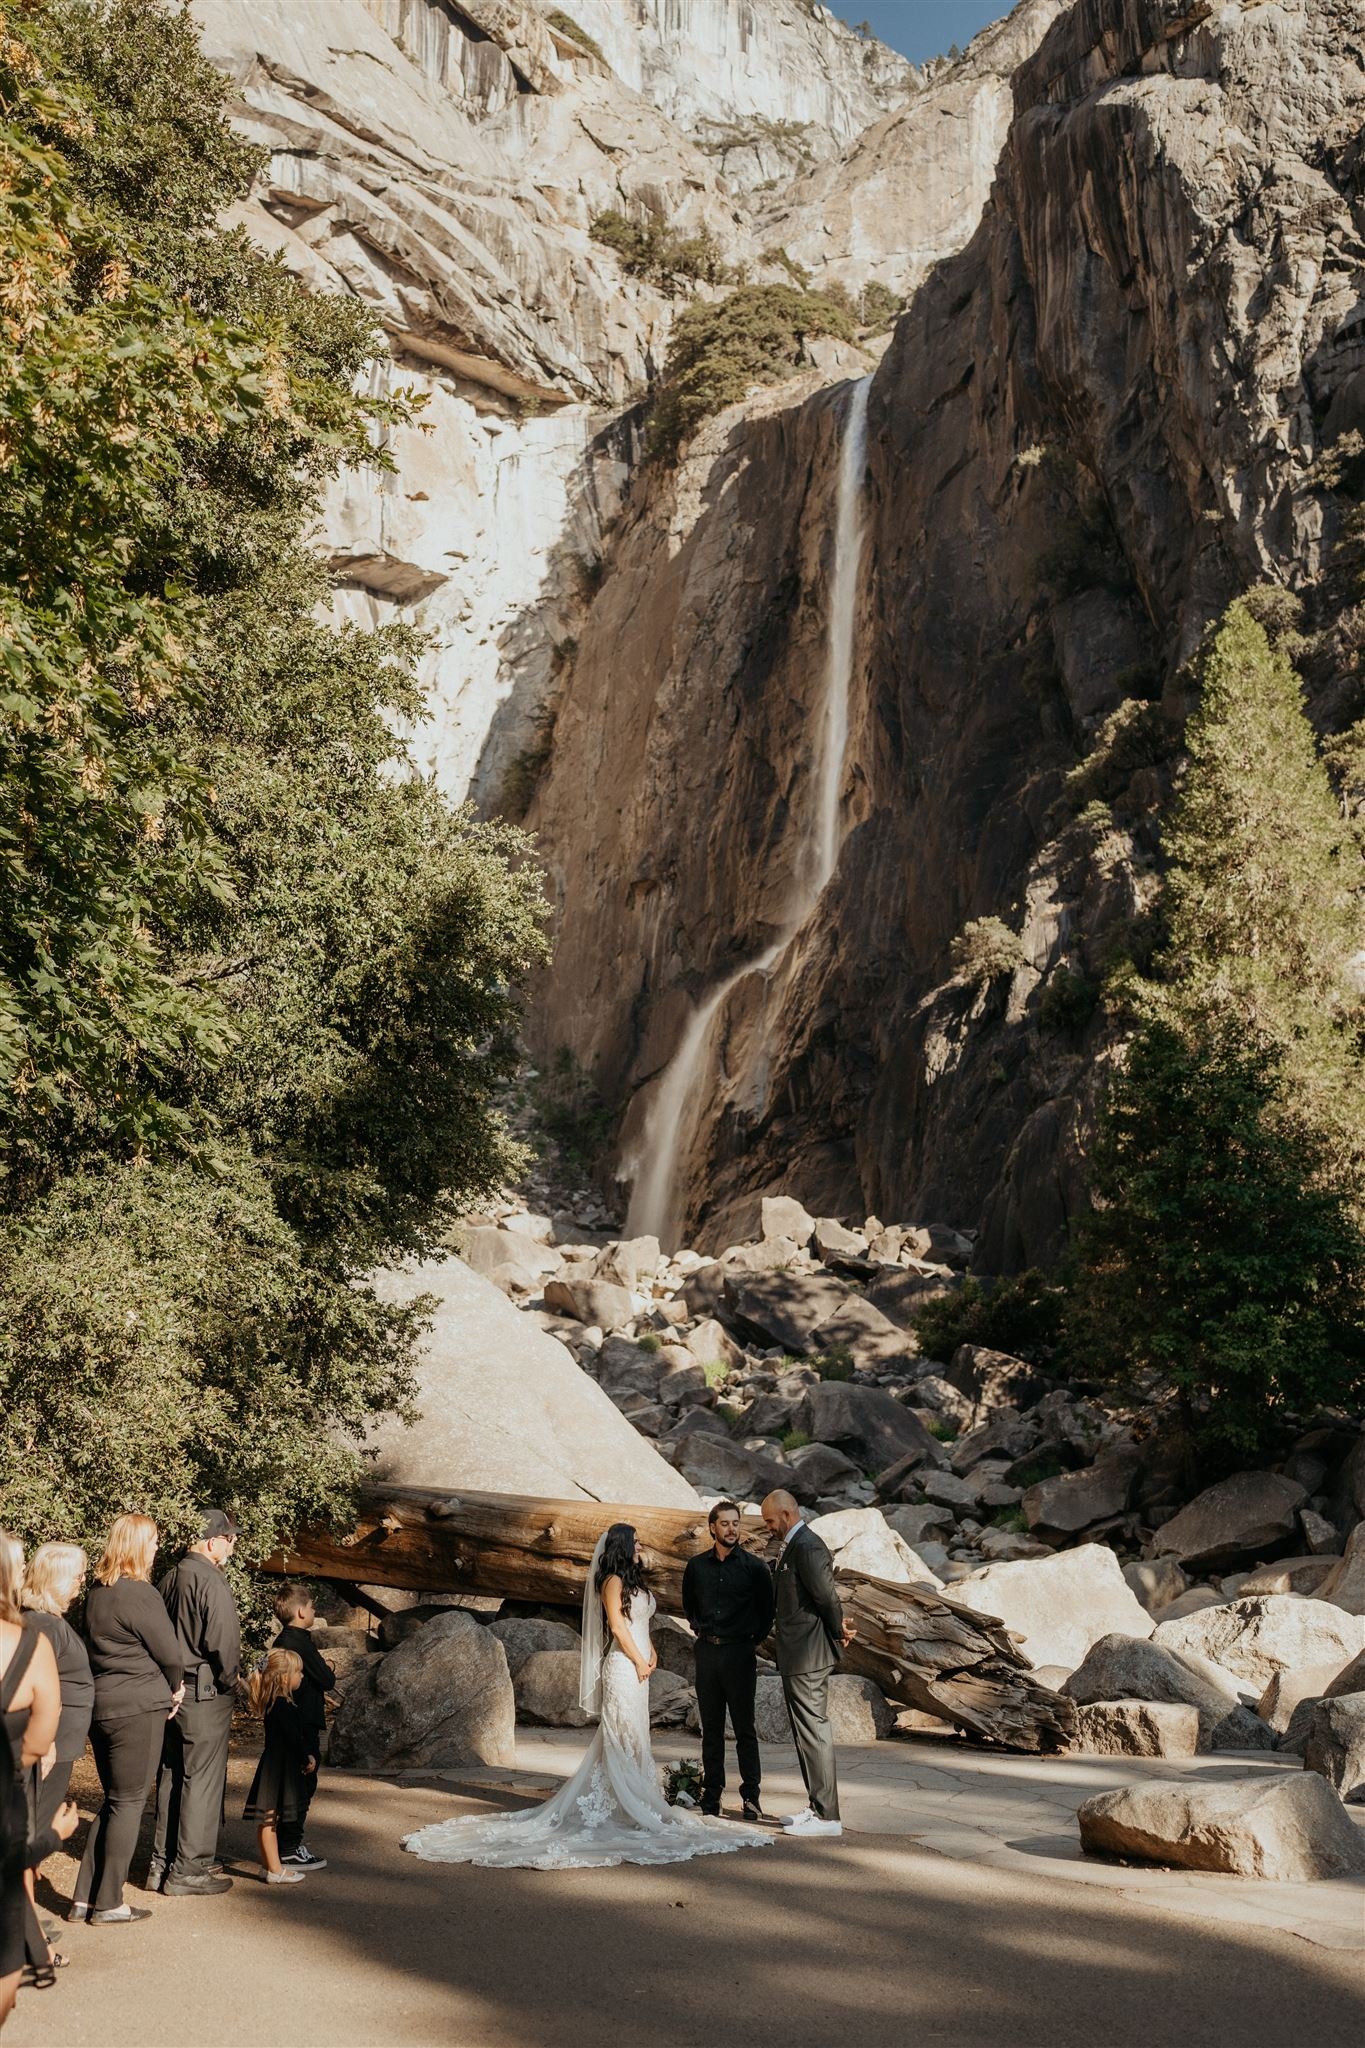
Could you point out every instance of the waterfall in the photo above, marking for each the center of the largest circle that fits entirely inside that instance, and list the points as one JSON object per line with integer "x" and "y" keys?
{"x": 656, "y": 1202}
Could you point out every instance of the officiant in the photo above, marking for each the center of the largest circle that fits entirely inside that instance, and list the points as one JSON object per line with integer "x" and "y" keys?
{"x": 727, "y": 1596}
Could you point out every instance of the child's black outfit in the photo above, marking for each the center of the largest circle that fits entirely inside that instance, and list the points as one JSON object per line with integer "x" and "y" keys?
{"x": 280, "y": 1789}
{"x": 318, "y": 1680}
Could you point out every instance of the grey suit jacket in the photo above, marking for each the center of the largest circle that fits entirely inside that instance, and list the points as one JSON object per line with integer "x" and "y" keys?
{"x": 810, "y": 1619}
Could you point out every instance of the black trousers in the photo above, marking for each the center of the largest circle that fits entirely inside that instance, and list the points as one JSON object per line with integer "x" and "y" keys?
{"x": 126, "y": 1754}
{"x": 289, "y": 1833}
{"x": 727, "y": 1674}
{"x": 190, "y": 1787}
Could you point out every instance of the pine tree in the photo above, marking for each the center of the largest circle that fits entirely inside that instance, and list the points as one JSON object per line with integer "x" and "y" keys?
{"x": 1227, "y": 1251}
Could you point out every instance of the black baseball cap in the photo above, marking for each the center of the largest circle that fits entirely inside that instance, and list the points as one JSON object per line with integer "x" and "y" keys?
{"x": 216, "y": 1522}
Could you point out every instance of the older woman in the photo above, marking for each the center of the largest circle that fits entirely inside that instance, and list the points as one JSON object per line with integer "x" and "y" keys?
{"x": 55, "y": 1576}
{"x": 139, "y": 1674}
{"x": 30, "y": 1705}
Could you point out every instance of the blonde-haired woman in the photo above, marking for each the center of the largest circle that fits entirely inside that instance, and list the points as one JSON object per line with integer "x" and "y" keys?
{"x": 30, "y": 1706}
{"x": 139, "y": 1672}
{"x": 55, "y": 1577}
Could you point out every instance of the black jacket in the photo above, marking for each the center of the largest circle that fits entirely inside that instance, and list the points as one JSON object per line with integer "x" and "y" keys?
{"x": 318, "y": 1676}
{"x": 134, "y": 1655}
{"x": 204, "y": 1616}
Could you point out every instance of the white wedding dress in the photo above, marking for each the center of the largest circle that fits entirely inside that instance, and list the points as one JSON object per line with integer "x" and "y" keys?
{"x": 612, "y": 1810}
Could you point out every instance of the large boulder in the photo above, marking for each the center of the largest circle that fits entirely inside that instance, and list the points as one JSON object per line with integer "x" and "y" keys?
{"x": 1345, "y": 1585}
{"x": 1156, "y": 1581}
{"x": 1058, "y": 1606}
{"x": 867, "y": 1424}
{"x": 443, "y": 1697}
{"x": 784, "y": 1308}
{"x": 1246, "y": 1518}
{"x": 993, "y": 1379}
{"x": 1136, "y": 1728}
{"x": 714, "y": 1465}
{"x": 825, "y": 1470}
{"x": 598, "y": 1304}
{"x": 1072, "y": 1501}
{"x": 547, "y": 1686}
{"x": 513, "y": 1262}
{"x": 861, "y": 1540}
{"x": 1125, "y": 1668}
{"x": 626, "y": 1368}
{"x": 675, "y": 1646}
{"x": 1289, "y": 1830}
{"x": 917, "y": 1525}
{"x": 631, "y": 1263}
{"x": 1289, "y": 1575}
{"x": 1286, "y": 1693}
{"x": 1271, "y": 1632}
{"x": 505, "y": 1408}
{"x": 858, "y": 1711}
{"x": 522, "y": 1636}
{"x": 1336, "y": 1744}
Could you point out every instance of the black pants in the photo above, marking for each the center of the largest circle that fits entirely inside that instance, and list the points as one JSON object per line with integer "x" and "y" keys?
{"x": 289, "y": 1833}
{"x": 190, "y": 1787}
{"x": 126, "y": 1754}
{"x": 727, "y": 1674}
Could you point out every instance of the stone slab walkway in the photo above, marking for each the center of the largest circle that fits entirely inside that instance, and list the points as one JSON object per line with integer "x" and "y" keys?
{"x": 1014, "y": 1813}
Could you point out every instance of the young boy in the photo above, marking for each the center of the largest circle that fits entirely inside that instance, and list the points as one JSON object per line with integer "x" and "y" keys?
{"x": 295, "y": 1612}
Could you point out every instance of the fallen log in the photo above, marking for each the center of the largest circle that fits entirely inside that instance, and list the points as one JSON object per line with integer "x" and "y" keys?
{"x": 918, "y": 1645}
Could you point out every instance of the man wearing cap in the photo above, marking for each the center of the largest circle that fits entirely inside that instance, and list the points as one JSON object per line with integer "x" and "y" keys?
{"x": 193, "y": 1774}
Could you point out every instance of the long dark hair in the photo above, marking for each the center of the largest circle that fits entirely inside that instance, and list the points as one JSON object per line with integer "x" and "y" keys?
{"x": 619, "y": 1561}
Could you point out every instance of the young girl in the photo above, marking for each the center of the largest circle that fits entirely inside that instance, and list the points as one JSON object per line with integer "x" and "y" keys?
{"x": 279, "y": 1788}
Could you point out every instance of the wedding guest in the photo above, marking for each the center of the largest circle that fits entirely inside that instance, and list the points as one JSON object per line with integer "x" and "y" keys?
{"x": 55, "y": 1576}
{"x": 139, "y": 1671}
{"x": 279, "y": 1789}
{"x": 296, "y": 1613}
{"x": 30, "y": 1709}
{"x": 194, "y": 1758}
{"x": 17, "y": 1855}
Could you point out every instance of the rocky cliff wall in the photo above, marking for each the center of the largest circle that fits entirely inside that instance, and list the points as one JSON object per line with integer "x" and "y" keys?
{"x": 1096, "y": 423}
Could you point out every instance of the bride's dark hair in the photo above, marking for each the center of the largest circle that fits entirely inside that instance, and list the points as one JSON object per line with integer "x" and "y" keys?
{"x": 618, "y": 1560}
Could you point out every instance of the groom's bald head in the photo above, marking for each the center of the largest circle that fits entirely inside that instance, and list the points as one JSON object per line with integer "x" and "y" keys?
{"x": 780, "y": 1512}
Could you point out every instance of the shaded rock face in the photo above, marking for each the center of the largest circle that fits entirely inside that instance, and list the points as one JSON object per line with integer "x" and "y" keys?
{"x": 1093, "y": 426}
{"x": 1120, "y": 1667}
{"x": 442, "y": 1697}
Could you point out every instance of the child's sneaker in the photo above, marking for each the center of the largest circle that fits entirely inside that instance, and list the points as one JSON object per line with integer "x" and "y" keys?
{"x": 303, "y": 1858}
{"x": 284, "y": 1877}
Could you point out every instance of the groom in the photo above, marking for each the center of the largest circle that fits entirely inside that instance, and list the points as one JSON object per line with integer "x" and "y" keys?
{"x": 811, "y": 1632}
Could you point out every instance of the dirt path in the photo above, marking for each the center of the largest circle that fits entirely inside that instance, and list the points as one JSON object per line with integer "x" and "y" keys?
{"x": 873, "y": 1941}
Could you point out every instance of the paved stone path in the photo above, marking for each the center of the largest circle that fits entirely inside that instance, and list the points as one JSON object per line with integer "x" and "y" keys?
{"x": 882, "y": 1939}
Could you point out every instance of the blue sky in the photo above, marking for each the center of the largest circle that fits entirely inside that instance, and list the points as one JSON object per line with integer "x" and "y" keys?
{"x": 924, "y": 28}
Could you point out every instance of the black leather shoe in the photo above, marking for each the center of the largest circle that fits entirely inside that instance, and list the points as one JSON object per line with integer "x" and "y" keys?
{"x": 195, "y": 1887}
{"x": 710, "y": 1813}
{"x": 753, "y": 1811}
{"x": 120, "y": 1916}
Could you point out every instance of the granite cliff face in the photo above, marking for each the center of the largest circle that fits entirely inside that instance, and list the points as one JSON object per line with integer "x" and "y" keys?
{"x": 445, "y": 164}
{"x": 1096, "y": 422}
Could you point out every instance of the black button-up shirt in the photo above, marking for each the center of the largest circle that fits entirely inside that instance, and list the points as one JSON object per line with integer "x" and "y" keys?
{"x": 729, "y": 1597}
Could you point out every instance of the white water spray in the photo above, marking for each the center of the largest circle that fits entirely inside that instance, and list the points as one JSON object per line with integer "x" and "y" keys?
{"x": 655, "y": 1206}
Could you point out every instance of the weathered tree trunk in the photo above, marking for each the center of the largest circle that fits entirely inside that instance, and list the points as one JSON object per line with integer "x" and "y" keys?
{"x": 919, "y": 1646}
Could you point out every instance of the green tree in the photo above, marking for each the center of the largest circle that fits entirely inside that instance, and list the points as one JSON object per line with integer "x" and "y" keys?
{"x": 331, "y": 954}
{"x": 1228, "y": 1248}
{"x": 718, "y": 350}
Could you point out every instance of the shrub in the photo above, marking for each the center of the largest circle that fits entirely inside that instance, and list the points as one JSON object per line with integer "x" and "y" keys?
{"x": 1136, "y": 735}
{"x": 718, "y": 350}
{"x": 571, "y": 1113}
{"x": 1021, "y": 1315}
{"x": 1068, "y": 1001}
{"x": 1086, "y": 554}
{"x": 946, "y": 1432}
{"x": 985, "y": 949}
{"x": 879, "y": 306}
{"x": 650, "y": 248}
{"x": 1012, "y": 1520}
{"x": 797, "y": 272}
{"x": 567, "y": 26}
{"x": 836, "y": 1363}
{"x": 649, "y": 1342}
{"x": 715, "y": 1372}
{"x": 795, "y": 1440}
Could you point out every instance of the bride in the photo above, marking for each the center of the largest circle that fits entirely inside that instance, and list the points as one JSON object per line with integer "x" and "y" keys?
{"x": 611, "y": 1810}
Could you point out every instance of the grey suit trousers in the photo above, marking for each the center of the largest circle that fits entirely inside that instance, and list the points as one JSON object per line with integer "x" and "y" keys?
{"x": 807, "y": 1697}
{"x": 190, "y": 1787}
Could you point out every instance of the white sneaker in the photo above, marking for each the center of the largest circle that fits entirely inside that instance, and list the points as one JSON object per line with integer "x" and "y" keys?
{"x": 284, "y": 1877}
{"x": 811, "y": 1824}
{"x": 794, "y": 1820}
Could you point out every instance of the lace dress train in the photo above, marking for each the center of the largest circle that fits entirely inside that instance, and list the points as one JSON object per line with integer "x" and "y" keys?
{"x": 612, "y": 1809}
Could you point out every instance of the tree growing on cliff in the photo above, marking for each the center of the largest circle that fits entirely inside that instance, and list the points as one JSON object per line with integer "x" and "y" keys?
{"x": 1228, "y": 1248}
{"x": 719, "y": 350}
{"x": 259, "y": 990}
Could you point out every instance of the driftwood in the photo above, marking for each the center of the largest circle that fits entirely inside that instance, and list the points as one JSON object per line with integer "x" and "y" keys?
{"x": 919, "y": 1646}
